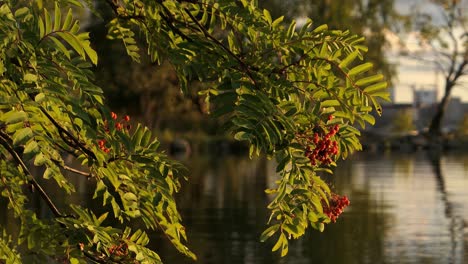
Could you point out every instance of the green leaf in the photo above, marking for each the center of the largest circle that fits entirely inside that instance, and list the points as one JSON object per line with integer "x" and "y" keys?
{"x": 360, "y": 69}
{"x": 368, "y": 118}
{"x": 31, "y": 148}
{"x": 21, "y": 11}
{"x": 320, "y": 28}
{"x": 269, "y": 232}
{"x": 68, "y": 19}
{"x": 137, "y": 135}
{"x": 41, "y": 27}
{"x": 73, "y": 42}
{"x": 48, "y": 22}
{"x": 57, "y": 17}
{"x": 22, "y": 136}
{"x": 350, "y": 58}
{"x": 130, "y": 197}
{"x": 284, "y": 249}
{"x": 375, "y": 87}
{"x": 92, "y": 55}
{"x": 328, "y": 103}
{"x": 370, "y": 79}
{"x": 240, "y": 136}
{"x": 291, "y": 29}
{"x": 281, "y": 240}
{"x": 60, "y": 46}
{"x": 267, "y": 15}
{"x": 14, "y": 117}
{"x": 40, "y": 159}
{"x": 277, "y": 21}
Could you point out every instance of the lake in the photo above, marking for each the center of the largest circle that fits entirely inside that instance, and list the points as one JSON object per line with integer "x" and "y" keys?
{"x": 403, "y": 210}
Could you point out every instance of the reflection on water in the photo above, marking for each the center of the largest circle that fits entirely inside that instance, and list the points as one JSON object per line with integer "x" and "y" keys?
{"x": 405, "y": 208}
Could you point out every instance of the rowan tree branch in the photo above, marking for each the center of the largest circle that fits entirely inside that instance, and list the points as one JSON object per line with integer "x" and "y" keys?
{"x": 6, "y": 144}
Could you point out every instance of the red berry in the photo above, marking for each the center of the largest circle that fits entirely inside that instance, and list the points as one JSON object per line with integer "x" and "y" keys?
{"x": 330, "y": 117}
{"x": 101, "y": 142}
{"x": 113, "y": 115}
{"x": 126, "y": 118}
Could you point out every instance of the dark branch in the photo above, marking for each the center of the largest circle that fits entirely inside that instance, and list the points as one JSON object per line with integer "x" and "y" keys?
{"x": 244, "y": 66}
{"x": 5, "y": 143}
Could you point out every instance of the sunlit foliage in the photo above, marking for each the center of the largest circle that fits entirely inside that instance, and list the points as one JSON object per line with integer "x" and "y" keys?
{"x": 276, "y": 86}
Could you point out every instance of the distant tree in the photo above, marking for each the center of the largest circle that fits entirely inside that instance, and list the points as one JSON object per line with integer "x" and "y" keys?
{"x": 443, "y": 31}
{"x": 295, "y": 95}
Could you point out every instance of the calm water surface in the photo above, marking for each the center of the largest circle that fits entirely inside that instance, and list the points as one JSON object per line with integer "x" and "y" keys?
{"x": 403, "y": 210}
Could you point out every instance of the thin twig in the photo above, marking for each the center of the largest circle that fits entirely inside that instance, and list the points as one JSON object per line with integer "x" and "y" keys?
{"x": 217, "y": 42}
{"x": 67, "y": 136}
{"x": 43, "y": 194}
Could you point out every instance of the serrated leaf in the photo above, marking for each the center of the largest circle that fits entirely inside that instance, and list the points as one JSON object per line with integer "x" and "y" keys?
{"x": 321, "y": 28}
{"x": 22, "y": 136}
{"x": 284, "y": 249}
{"x": 375, "y": 87}
{"x": 130, "y": 197}
{"x": 277, "y": 21}
{"x": 75, "y": 27}
{"x": 60, "y": 46}
{"x": 29, "y": 78}
{"x": 41, "y": 27}
{"x": 73, "y": 42}
{"x": 31, "y": 148}
{"x": 368, "y": 118}
{"x": 68, "y": 19}
{"x": 350, "y": 58}
{"x": 324, "y": 50}
{"x": 39, "y": 160}
{"x": 370, "y": 79}
{"x": 92, "y": 55}
{"x": 269, "y": 232}
{"x": 267, "y": 15}
{"x": 14, "y": 117}
{"x": 241, "y": 135}
{"x": 360, "y": 69}
{"x": 328, "y": 103}
{"x": 21, "y": 11}
{"x": 282, "y": 239}
{"x": 291, "y": 29}
{"x": 48, "y": 22}
{"x": 48, "y": 173}
{"x": 57, "y": 17}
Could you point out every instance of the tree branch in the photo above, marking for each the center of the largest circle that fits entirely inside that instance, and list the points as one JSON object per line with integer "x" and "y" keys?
{"x": 5, "y": 143}
{"x": 67, "y": 136}
{"x": 215, "y": 40}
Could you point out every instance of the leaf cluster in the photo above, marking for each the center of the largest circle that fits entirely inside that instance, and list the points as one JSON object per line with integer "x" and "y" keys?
{"x": 273, "y": 84}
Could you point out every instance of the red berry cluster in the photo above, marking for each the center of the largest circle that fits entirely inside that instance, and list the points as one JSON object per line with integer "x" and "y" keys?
{"x": 102, "y": 145}
{"x": 335, "y": 206}
{"x": 119, "y": 250}
{"x": 119, "y": 125}
{"x": 324, "y": 147}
